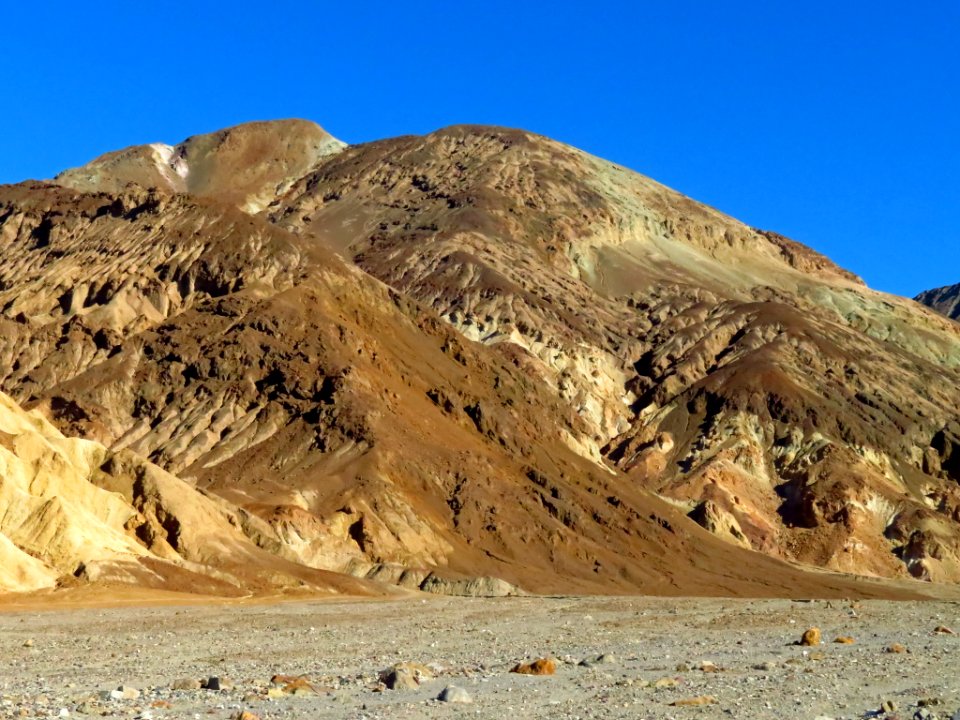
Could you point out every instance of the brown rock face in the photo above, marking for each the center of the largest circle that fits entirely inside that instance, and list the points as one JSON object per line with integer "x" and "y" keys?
{"x": 480, "y": 353}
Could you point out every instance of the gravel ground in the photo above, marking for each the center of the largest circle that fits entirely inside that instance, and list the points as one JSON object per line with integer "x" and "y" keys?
{"x": 741, "y": 654}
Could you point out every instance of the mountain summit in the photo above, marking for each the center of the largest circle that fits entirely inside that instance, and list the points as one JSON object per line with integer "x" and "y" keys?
{"x": 476, "y": 361}
{"x": 945, "y": 300}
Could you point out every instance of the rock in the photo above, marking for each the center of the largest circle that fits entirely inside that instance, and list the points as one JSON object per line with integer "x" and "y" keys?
{"x": 709, "y": 667}
{"x": 924, "y": 714}
{"x": 896, "y": 648}
{"x": 299, "y": 686}
{"x": 217, "y": 683}
{"x": 844, "y": 640}
{"x": 888, "y": 706}
{"x": 186, "y": 684}
{"x": 405, "y": 676}
{"x": 454, "y": 694}
{"x": 244, "y": 715}
{"x": 943, "y": 630}
{"x": 811, "y": 637}
{"x": 28, "y": 643}
{"x": 541, "y": 666}
{"x": 599, "y": 660}
{"x": 665, "y": 683}
{"x": 124, "y": 692}
{"x": 768, "y": 665}
{"x": 698, "y": 701}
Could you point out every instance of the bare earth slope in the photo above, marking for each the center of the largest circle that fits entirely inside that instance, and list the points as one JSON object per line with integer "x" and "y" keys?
{"x": 945, "y": 300}
{"x": 534, "y": 365}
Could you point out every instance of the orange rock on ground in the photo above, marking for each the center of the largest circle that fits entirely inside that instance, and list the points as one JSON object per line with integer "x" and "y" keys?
{"x": 542, "y": 666}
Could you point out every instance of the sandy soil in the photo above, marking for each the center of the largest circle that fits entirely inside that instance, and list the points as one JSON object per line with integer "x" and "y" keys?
{"x": 59, "y": 663}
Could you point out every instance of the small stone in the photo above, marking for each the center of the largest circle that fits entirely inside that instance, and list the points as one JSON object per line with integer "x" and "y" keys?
{"x": 161, "y": 704}
{"x": 665, "y": 683}
{"x": 186, "y": 684}
{"x": 541, "y": 666}
{"x": 698, "y": 701}
{"x": 844, "y": 640}
{"x": 28, "y": 643}
{"x": 888, "y": 706}
{"x": 768, "y": 665}
{"x": 896, "y": 648}
{"x": 811, "y": 637}
{"x": 709, "y": 667}
{"x": 943, "y": 630}
{"x": 454, "y": 694}
{"x": 244, "y": 715}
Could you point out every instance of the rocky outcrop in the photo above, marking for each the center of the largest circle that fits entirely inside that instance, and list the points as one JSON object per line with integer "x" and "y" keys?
{"x": 945, "y": 300}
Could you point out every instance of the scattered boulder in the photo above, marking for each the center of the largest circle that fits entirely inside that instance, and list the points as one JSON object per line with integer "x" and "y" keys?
{"x": 811, "y": 637}
{"x": 454, "y": 694}
{"x": 541, "y": 666}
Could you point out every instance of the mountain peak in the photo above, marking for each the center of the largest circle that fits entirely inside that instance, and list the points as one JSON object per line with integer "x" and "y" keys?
{"x": 246, "y": 165}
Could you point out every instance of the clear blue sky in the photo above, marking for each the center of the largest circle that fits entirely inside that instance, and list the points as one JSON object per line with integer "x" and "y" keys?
{"x": 836, "y": 123}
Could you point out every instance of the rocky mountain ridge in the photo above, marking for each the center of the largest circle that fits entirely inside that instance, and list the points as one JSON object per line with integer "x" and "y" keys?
{"x": 945, "y": 300}
{"x": 484, "y": 353}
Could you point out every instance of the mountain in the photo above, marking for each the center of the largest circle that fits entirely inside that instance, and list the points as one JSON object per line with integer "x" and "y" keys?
{"x": 482, "y": 353}
{"x": 945, "y": 300}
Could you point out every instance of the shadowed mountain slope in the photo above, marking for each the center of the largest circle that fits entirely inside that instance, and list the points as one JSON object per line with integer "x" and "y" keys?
{"x": 945, "y": 300}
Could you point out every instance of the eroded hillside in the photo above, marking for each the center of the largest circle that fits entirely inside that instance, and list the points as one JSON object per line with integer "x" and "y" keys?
{"x": 483, "y": 353}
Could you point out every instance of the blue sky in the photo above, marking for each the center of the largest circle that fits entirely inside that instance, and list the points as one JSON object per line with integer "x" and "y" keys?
{"x": 837, "y": 124}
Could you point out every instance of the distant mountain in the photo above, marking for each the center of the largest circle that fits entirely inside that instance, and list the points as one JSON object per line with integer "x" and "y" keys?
{"x": 482, "y": 353}
{"x": 945, "y": 300}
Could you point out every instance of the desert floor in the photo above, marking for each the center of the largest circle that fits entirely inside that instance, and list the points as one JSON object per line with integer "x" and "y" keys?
{"x": 738, "y": 653}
